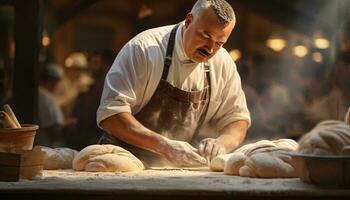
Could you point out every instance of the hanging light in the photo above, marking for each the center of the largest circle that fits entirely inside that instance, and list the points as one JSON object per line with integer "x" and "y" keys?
{"x": 317, "y": 57}
{"x": 235, "y": 54}
{"x": 276, "y": 43}
{"x": 320, "y": 41}
{"x": 144, "y": 11}
{"x": 300, "y": 50}
{"x": 46, "y": 39}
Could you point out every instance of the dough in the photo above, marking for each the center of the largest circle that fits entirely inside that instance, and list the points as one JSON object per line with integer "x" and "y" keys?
{"x": 329, "y": 137}
{"x": 268, "y": 165}
{"x": 218, "y": 163}
{"x": 234, "y": 163}
{"x": 58, "y": 158}
{"x": 260, "y": 145}
{"x": 106, "y": 158}
{"x": 263, "y": 159}
{"x": 287, "y": 144}
{"x": 347, "y": 117}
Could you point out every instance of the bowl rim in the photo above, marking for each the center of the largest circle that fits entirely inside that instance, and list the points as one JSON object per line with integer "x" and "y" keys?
{"x": 25, "y": 127}
{"x": 326, "y": 157}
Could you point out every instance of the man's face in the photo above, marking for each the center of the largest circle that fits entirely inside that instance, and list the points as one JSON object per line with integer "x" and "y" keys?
{"x": 95, "y": 64}
{"x": 204, "y": 34}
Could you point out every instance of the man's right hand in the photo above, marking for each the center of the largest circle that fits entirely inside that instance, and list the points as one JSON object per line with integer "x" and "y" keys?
{"x": 183, "y": 154}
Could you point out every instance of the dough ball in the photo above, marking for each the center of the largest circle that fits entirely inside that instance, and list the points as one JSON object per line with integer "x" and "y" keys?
{"x": 268, "y": 165}
{"x": 218, "y": 163}
{"x": 249, "y": 148}
{"x": 329, "y": 137}
{"x": 287, "y": 144}
{"x": 58, "y": 158}
{"x": 263, "y": 159}
{"x": 106, "y": 158}
{"x": 234, "y": 163}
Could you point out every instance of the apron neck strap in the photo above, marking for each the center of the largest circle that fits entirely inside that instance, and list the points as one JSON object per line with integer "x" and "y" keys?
{"x": 169, "y": 57}
{"x": 169, "y": 52}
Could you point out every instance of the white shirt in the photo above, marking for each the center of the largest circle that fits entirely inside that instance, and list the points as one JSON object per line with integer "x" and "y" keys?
{"x": 49, "y": 112}
{"x": 137, "y": 70}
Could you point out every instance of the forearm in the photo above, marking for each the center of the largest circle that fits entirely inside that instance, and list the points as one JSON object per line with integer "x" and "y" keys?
{"x": 125, "y": 127}
{"x": 233, "y": 134}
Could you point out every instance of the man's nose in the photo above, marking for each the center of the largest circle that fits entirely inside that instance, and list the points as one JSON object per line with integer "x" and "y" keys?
{"x": 210, "y": 47}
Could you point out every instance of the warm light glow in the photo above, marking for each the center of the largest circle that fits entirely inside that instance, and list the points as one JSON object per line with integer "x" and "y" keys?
{"x": 46, "y": 41}
{"x": 235, "y": 54}
{"x": 317, "y": 57}
{"x": 144, "y": 11}
{"x": 300, "y": 51}
{"x": 276, "y": 44}
{"x": 320, "y": 41}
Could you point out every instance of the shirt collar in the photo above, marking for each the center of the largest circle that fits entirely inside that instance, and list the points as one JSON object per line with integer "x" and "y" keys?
{"x": 179, "y": 47}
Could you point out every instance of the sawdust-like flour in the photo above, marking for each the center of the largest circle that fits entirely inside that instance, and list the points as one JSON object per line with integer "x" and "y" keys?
{"x": 177, "y": 179}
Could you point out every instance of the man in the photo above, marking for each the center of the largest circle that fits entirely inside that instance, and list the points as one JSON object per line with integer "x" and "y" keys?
{"x": 51, "y": 119}
{"x": 334, "y": 105}
{"x": 86, "y": 132}
{"x": 175, "y": 88}
{"x": 75, "y": 81}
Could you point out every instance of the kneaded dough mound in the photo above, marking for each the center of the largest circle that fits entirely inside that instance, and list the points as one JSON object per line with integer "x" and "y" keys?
{"x": 263, "y": 159}
{"x": 58, "y": 158}
{"x": 106, "y": 158}
{"x": 239, "y": 156}
{"x": 268, "y": 165}
{"x": 329, "y": 137}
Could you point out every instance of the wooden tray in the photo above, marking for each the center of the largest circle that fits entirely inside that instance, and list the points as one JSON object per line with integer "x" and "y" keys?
{"x": 24, "y": 164}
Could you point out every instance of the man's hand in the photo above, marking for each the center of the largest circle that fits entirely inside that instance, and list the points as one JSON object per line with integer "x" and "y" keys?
{"x": 210, "y": 148}
{"x": 182, "y": 154}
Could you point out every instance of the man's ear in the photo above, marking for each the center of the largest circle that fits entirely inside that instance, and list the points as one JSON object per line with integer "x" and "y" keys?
{"x": 188, "y": 19}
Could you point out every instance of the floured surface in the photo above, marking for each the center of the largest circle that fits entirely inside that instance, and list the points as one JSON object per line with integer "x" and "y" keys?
{"x": 179, "y": 181}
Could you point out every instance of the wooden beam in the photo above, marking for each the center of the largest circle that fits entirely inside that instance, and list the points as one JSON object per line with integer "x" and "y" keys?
{"x": 64, "y": 15}
{"x": 6, "y": 2}
{"x": 28, "y": 33}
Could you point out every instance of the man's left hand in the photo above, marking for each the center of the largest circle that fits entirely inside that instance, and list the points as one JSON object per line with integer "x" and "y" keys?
{"x": 209, "y": 148}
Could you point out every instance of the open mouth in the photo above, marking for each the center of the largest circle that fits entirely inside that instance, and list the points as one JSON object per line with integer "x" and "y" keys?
{"x": 203, "y": 52}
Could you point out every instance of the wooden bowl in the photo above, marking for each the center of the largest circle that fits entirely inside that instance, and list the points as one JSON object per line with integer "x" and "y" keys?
{"x": 322, "y": 170}
{"x": 14, "y": 139}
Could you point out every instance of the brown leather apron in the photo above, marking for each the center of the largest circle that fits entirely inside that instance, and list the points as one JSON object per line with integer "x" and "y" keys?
{"x": 171, "y": 112}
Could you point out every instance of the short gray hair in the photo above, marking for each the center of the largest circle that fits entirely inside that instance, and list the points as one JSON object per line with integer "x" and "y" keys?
{"x": 222, "y": 9}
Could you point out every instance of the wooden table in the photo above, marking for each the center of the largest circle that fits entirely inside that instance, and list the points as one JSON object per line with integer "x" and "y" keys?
{"x": 162, "y": 184}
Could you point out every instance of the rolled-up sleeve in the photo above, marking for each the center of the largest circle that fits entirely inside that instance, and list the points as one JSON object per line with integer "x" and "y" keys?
{"x": 122, "y": 82}
{"x": 233, "y": 106}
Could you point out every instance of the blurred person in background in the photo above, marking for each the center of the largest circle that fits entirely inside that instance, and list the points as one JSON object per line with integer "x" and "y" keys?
{"x": 246, "y": 72}
{"x": 51, "y": 119}
{"x": 75, "y": 81}
{"x": 275, "y": 101}
{"x": 86, "y": 131}
{"x": 335, "y": 104}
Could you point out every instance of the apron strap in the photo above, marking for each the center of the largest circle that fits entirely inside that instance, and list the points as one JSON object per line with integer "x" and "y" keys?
{"x": 167, "y": 63}
{"x": 208, "y": 94}
{"x": 169, "y": 52}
